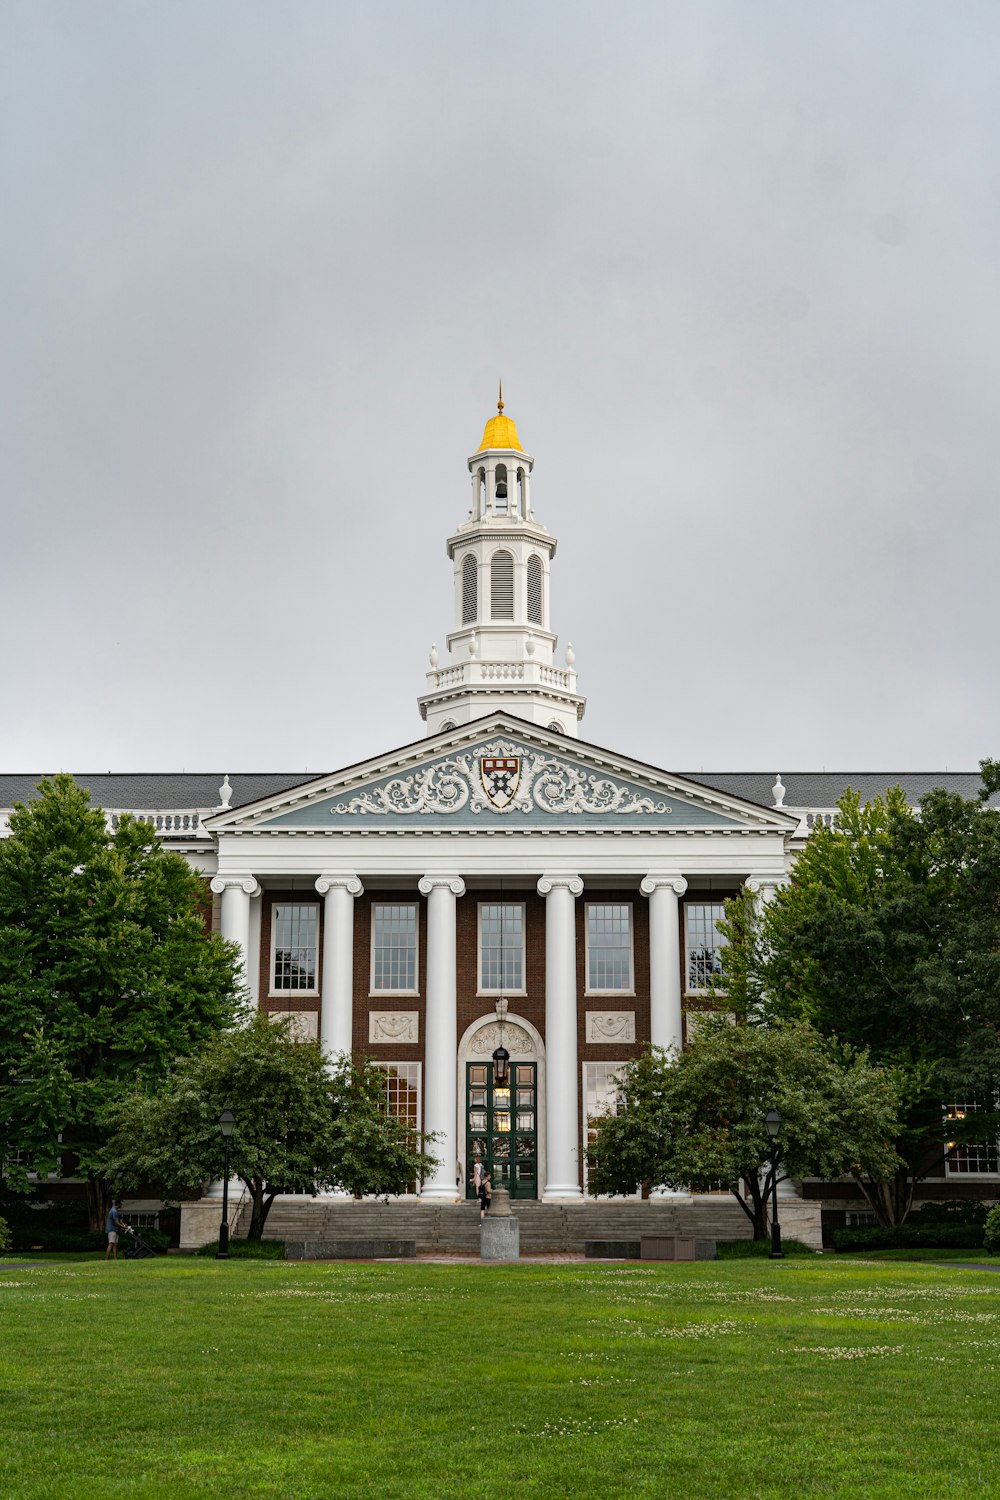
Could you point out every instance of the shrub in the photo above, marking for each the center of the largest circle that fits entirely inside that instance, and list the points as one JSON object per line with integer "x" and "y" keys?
{"x": 5, "y": 1235}
{"x": 247, "y": 1249}
{"x": 910, "y": 1236}
{"x": 964, "y": 1211}
{"x": 743, "y": 1249}
{"x": 991, "y": 1234}
{"x": 38, "y": 1237}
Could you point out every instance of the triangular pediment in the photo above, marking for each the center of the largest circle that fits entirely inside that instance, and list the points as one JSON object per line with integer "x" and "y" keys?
{"x": 503, "y": 774}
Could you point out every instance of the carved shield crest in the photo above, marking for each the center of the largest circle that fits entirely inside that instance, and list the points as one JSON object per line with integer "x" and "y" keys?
{"x": 500, "y": 775}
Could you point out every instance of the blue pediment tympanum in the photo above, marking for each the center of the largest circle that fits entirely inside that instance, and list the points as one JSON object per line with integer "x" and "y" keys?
{"x": 495, "y": 782}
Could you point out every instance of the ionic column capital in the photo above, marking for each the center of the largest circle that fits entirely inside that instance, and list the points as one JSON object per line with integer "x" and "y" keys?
{"x": 764, "y": 885}
{"x": 349, "y": 883}
{"x": 247, "y": 883}
{"x": 661, "y": 880}
{"x": 571, "y": 883}
{"x": 453, "y": 883}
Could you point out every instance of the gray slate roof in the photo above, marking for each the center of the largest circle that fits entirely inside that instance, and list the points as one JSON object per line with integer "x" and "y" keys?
{"x": 149, "y": 791}
{"x": 823, "y": 788}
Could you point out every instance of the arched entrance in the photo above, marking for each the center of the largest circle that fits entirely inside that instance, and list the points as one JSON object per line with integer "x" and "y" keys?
{"x": 504, "y": 1125}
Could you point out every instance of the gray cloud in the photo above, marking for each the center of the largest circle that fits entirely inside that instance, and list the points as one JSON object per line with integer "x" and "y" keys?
{"x": 262, "y": 268}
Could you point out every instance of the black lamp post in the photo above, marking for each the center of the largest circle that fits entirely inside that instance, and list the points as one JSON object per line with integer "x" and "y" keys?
{"x": 501, "y": 1066}
{"x": 773, "y": 1122}
{"x": 227, "y": 1123}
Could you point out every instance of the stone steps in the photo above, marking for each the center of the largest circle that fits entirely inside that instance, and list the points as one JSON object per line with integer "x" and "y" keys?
{"x": 544, "y": 1227}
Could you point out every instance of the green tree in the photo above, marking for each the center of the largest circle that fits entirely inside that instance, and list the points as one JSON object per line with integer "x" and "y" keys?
{"x": 888, "y": 937}
{"x": 697, "y": 1119}
{"x": 303, "y": 1124}
{"x": 106, "y": 975}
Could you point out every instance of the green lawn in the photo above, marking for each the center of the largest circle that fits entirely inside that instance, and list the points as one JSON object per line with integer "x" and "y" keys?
{"x": 181, "y": 1378}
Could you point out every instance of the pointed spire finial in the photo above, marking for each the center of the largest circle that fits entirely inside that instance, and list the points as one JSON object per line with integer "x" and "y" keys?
{"x": 500, "y": 399}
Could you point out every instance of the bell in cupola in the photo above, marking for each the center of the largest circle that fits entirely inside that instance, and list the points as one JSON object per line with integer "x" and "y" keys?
{"x": 501, "y": 482}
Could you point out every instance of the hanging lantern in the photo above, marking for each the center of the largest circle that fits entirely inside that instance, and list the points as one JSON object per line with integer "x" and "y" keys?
{"x": 501, "y": 1066}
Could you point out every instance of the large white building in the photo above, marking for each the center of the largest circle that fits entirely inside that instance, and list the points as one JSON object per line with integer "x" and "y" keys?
{"x": 498, "y": 881}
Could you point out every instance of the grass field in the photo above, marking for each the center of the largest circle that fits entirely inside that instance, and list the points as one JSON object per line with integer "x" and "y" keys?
{"x": 832, "y": 1377}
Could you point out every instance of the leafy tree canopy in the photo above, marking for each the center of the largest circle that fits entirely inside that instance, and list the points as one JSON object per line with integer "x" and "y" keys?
{"x": 106, "y": 975}
{"x": 697, "y": 1119}
{"x": 303, "y": 1124}
{"x": 888, "y": 937}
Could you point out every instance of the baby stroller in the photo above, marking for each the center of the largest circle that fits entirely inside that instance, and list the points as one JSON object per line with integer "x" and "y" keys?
{"x": 135, "y": 1247}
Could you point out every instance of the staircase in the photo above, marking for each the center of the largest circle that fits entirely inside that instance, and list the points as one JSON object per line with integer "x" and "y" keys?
{"x": 546, "y": 1228}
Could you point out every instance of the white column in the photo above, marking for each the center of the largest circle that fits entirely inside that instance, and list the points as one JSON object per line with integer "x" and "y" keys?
{"x": 339, "y": 893}
{"x": 665, "y": 1020}
{"x": 562, "y": 1073}
{"x": 236, "y": 891}
{"x": 441, "y": 1034}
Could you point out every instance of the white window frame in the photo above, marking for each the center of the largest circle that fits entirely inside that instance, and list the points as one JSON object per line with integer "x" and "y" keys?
{"x": 372, "y": 991}
{"x": 961, "y": 1111}
{"x": 588, "y": 989}
{"x": 500, "y": 989}
{"x": 687, "y": 988}
{"x": 589, "y": 1069}
{"x": 282, "y": 994}
{"x": 414, "y": 1073}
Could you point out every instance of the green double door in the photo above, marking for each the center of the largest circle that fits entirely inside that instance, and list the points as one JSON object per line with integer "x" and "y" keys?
{"x": 501, "y": 1127}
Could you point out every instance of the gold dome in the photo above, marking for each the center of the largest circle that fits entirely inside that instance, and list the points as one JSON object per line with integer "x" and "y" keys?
{"x": 500, "y": 431}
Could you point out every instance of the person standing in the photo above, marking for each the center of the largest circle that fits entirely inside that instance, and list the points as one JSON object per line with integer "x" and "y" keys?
{"x": 477, "y": 1175}
{"x": 485, "y": 1193}
{"x": 114, "y": 1225}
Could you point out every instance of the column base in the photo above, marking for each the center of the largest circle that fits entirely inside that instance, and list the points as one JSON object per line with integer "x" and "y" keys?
{"x": 442, "y": 1193}
{"x": 556, "y": 1192}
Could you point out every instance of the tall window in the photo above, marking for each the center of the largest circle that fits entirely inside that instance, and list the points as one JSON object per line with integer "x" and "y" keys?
{"x": 972, "y": 1156}
{"x": 470, "y": 591}
{"x": 609, "y": 947}
{"x": 394, "y": 947}
{"x": 600, "y": 1094}
{"x": 402, "y": 1095}
{"x": 501, "y": 948}
{"x": 502, "y": 586}
{"x": 294, "y": 948}
{"x": 705, "y": 943}
{"x": 535, "y": 590}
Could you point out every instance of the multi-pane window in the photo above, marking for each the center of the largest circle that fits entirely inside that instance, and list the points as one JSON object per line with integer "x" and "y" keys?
{"x": 501, "y": 947}
{"x": 394, "y": 946}
{"x": 402, "y": 1095}
{"x": 971, "y": 1156}
{"x": 295, "y": 948}
{"x": 609, "y": 946}
{"x": 600, "y": 1095}
{"x": 705, "y": 944}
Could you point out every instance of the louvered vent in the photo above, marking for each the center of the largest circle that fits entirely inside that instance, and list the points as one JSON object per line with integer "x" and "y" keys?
{"x": 535, "y": 590}
{"x": 502, "y": 586}
{"x": 470, "y": 591}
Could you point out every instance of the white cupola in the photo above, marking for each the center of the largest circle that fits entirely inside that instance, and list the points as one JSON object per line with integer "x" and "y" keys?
{"x": 502, "y": 650}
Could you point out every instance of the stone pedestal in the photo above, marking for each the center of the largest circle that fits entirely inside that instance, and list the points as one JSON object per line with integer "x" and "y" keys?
{"x": 500, "y": 1232}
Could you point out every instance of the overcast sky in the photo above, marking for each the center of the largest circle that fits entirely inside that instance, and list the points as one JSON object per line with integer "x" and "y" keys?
{"x": 261, "y": 265}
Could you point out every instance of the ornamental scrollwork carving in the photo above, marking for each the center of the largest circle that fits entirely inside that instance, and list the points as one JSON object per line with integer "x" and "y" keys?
{"x": 513, "y": 1037}
{"x": 550, "y": 785}
{"x": 611, "y": 1026}
{"x": 393, "y": 1026}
